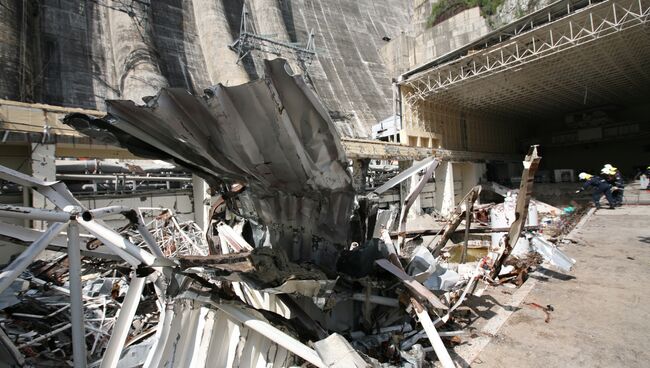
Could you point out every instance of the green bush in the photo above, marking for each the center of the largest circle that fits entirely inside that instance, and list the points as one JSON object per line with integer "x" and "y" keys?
{"x": 445, "y": 9}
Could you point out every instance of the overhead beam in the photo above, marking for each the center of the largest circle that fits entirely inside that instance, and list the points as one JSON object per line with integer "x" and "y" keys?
{"x": 31, "y": 118}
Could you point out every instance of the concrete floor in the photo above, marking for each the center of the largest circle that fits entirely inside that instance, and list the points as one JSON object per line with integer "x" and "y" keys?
{"x": 602, "y": 314}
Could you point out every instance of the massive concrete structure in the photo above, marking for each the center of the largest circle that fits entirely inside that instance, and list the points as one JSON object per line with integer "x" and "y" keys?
{"x": 79, "y": 53}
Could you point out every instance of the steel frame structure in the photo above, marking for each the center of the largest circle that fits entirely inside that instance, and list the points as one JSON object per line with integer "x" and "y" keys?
{"x": 248, "y": 41}
{"x": 564, "y": 28}
{"x": 186, "y": 238}
{"x": 70, "y": 214}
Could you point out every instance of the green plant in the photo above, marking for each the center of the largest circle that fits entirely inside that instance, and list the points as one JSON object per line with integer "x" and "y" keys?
{"x": 445, "y": 9}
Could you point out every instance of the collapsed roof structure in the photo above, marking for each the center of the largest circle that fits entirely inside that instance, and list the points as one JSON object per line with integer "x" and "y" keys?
{"x": 272, "y": 134}
{"x": 287, "y": 278}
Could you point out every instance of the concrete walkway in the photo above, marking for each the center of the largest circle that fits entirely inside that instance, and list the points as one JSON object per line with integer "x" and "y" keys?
{"x": 602, "y": 312}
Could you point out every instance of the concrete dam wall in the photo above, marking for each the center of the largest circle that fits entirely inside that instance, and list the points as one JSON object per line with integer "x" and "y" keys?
{"x": 79, "y": 53}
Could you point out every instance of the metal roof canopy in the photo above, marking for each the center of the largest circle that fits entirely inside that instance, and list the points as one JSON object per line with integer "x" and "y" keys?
{"x": 580, "y": 57}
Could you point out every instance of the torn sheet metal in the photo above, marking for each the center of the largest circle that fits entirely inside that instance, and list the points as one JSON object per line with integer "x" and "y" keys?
{"x": 530, "y": 163}
{"x": 465, "y": 205}
{"x": 337, "y": 352}
{"x": 9, "y": 353}
{"x": 272, "y": 134}
{"x": 426, "y": 269}
{"x": 414, "y": 169}
{"x": 410, "y": 199}
{"x": 552, "y": 254}
{"x": 232, "y": 238}
{"x": 384, "y": 221}
{"x": 411, "y": 284}
{"x": 432, "y": 334}
{"x": 259, "y": 299}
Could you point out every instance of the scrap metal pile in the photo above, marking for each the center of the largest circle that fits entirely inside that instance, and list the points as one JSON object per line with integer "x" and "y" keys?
{"x": 294, "y": 269}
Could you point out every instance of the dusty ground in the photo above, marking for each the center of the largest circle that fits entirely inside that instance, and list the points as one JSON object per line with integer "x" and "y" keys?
{"x": 602, "y": 313}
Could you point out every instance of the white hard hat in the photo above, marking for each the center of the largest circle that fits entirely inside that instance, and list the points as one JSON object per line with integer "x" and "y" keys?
{"x": 608, "y": 166}
{"x": 584, "y": 176}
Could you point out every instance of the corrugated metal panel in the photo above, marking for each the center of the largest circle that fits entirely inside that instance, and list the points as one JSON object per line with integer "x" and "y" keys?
{"x": 203, "y": 336}
{"x": 261, "y": 299}
{"x": 272, "y": 134}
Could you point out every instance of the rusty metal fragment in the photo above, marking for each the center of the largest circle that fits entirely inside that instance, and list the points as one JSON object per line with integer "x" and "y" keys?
{"x": 464, "y": 206}
{"x": 531, "y": 163}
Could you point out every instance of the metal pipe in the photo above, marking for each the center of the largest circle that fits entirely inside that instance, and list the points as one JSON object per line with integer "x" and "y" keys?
{"x": 404, "y": 175}
{"x": 468, "y": 224}
{"x": 83, "y": 177}
{"x": 103, "y": 212}
{"x": 142, "y": 229}
{"x": 15, "y": 268}
{"x": 46, "y": 336}
{"x": 76, "y": 302}
{"x": 476, "y": 230}
{"x": 123, "y": 323}
{"x": 33, "y": 213}
{"x": 376, "y": 299}
{"x": 117, "y": 243}
{"x": 148, "y": 239}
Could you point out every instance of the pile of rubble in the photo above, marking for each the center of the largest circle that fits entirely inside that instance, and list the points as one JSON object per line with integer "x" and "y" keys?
{"x": 36, "y": 307}
{"x": 293, "y": 269}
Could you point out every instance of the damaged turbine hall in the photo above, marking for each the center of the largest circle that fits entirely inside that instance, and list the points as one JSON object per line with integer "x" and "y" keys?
{"x": 297, "y": 266}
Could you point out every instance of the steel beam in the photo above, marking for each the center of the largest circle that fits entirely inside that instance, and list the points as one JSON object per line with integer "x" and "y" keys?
{"x": 33, "y": 213}
{"x": 15, "y": 268}
{"x": 123, "y": 324}
{"x": 76, "y": 301}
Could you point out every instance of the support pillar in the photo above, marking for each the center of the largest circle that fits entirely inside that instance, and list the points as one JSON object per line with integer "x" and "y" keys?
{"x": 123, "y": 323}
{"x": 76, "y": 301}
{"x": 472, "y": 173}
{"x": 43, "y": 167}
{"x": 444, "y": 199}
{"x": 416, "y": 208}
{"x": 201, "y": 201}
{"x": 359, "y": 174}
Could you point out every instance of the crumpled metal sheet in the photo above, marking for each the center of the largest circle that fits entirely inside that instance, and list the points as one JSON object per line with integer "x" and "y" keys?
{"x": 272, "y": 134}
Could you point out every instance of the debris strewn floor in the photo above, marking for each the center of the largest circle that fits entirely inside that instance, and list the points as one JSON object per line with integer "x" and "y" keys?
{"x": 601, "y": 315}
{"x": 296, "y": 266}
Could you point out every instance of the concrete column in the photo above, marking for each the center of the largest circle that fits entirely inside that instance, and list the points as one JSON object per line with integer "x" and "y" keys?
{"x": 444, "y": 199}
{"x": 404, "y": 186}
{"x": 201, "y": 201}
{"x": 43, "y": 167}
{"x": 472, "y": 173}
{"x": 416, "y": 208}
{"x": 136, "y": 61}
{"x": 359, "y": 173}
{"x": 269, "y": 20}
{"x": 214, "y": 36}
